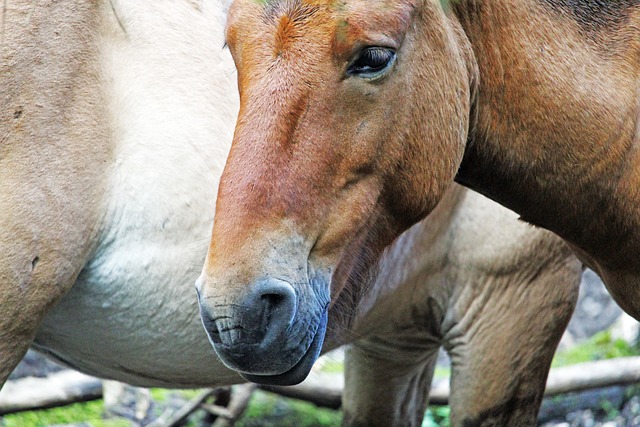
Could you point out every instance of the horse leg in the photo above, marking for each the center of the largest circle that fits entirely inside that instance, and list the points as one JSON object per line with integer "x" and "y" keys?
{"x": 385, "y": 385}
{"x": 503, "y": 339}
{"x": 43, "y": 246}
{"x": 24, "y": 299}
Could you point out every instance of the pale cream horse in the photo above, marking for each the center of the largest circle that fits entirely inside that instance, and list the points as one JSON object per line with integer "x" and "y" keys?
{"x": 116, "y": 120}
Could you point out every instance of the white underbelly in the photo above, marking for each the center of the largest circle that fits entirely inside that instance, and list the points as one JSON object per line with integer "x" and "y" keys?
{"x": 132, "y": 315}
{"x": 134, "y": 318}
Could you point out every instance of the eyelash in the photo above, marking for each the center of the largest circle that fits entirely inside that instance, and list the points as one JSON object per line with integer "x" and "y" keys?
{"x": 372, "y": 62}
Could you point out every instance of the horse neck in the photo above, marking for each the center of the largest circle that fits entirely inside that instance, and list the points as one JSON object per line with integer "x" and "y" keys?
{"x": 373, "y": 291}
{"x": 555, "y": 137}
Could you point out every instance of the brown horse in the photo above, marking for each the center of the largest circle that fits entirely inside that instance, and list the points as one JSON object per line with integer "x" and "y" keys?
{"x": 116, "y": 120}
{"x": 492, "y": 290}
{"x": 308, "y": 197}
{"x": 556, "y": 125}
{"x": 354, "y": 119}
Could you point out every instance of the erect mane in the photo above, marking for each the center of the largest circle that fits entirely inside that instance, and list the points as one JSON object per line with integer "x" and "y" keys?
{"x": 595, "y": 14}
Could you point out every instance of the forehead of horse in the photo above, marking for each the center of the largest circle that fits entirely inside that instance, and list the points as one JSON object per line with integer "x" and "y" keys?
{"x": 337, "y": 26}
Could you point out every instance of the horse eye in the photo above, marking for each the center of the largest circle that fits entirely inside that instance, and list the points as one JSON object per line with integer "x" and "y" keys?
{"x": 372, "y": 62}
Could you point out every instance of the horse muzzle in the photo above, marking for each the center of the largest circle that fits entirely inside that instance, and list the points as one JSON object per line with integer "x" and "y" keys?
{"x": 266, "y": 333}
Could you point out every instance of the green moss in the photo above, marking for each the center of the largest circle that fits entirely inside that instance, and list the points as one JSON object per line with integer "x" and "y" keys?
{"x": 270, "y": 410}
{"x": 160, "y": 394}
{"x": 600, "y": 346}
{"x": 332, "y": 366}
{"x": 631, "y": 391}
{"x": 88, "y": 412}
{"x": 608, "y": 408}
{"x": 437, "y": 416}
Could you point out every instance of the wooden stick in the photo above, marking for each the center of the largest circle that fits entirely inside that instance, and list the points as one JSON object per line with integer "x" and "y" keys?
{"x": 320, "y": 389}
{"x": 589, "y": 375}
{"x": 59, "y": 388}
{"x": 240, "y": 396}
{"x": 176, "y": 417}
{"x": 326, "y": 390}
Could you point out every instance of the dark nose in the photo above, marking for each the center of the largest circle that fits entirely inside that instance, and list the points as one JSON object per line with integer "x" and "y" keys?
{"x": 276, "y": 300}
{"x": 252, "y": 323}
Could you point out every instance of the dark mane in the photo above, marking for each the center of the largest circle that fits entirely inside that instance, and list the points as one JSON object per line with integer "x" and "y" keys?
{"x": 595, "y": 14}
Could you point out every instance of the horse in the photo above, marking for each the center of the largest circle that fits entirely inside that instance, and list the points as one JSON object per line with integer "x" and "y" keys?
{"x": 115, "y": 127}
{"x": 116, "y": 121}
{"x": 354, "y": 120}
{"x": 472, "y": 278}
{"x": 555, "y": 139}
{"x": 535, "y": 104}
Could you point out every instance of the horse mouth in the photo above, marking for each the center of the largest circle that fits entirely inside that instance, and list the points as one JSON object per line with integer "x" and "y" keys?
{"x": 301, "y": 369}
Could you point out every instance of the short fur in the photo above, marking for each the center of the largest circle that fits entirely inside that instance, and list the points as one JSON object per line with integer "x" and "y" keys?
{"x": 593, "y": 15}
{"x": 327, "y": 169}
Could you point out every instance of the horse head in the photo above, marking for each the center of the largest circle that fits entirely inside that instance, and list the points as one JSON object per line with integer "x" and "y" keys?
{"x": 352, "y": 124}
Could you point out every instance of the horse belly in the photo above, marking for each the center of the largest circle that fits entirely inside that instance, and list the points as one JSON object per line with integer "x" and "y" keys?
{"x": 132, "y": 320}
{"x": 132, "y": 315}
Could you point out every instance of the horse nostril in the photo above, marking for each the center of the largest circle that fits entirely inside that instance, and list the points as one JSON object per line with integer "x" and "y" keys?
{"x": 278, "y": 301}
{"x": 272, "y": 300}
{"x": 262, "y": 317}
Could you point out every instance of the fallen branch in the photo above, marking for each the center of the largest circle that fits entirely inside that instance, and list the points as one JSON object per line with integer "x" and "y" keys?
{"x": 226, "y": 416}
{"x": 589, "y": 375}
{"x": 240, "y": 396}
{"x": 59, "y": 388}
{"x": 320, "y": 389}
{"x": 326, "y": 390}
{"x": 173, "y": 418}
